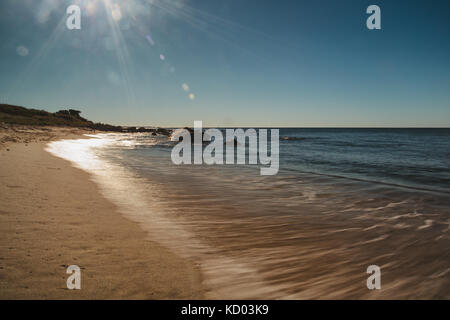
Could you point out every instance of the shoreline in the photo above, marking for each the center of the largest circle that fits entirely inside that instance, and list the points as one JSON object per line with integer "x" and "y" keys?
{"x": 56, "y": 216}
{"x": 135, "y": 241}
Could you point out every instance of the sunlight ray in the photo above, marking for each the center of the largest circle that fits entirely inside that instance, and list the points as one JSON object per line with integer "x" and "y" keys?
{"x": 113, "y": 14}
{"x": 225, "y": 32}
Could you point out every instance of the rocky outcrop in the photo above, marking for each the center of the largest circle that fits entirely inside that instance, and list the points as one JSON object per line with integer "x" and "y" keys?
{"x": 163, "y": 131}
{"x": 153, "y": 131}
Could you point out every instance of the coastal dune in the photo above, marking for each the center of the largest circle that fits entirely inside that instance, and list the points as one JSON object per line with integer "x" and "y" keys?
{"x": 52, "y": 216}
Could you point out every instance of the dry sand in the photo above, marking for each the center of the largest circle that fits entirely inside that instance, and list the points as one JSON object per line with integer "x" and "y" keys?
{"x": 52, "y": 216}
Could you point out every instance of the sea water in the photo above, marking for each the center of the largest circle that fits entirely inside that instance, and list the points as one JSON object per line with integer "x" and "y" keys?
{"x": 344, "y": 199}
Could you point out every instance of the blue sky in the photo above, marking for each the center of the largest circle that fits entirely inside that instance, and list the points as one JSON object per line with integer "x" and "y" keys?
{"x": 230, "y": 62}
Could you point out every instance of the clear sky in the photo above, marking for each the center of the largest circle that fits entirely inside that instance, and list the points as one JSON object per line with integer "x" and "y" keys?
{"x": 230, "y": 62}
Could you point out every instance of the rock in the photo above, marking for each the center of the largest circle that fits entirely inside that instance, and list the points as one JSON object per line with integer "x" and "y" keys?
{"x": 163, "y": 131}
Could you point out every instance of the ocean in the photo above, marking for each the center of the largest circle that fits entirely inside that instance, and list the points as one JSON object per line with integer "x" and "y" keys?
{"x": 343, "y": 199}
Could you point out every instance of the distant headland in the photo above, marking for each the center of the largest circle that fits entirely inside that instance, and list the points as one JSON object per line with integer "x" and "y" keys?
{"x": 11, "y": 114}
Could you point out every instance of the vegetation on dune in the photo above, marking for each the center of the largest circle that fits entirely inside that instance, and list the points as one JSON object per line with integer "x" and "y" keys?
{"x": 19, "y": 115}
{"x": 11, "y": 114}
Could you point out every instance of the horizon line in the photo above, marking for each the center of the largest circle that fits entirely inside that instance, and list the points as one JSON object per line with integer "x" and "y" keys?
{"x": 290, "y": 127}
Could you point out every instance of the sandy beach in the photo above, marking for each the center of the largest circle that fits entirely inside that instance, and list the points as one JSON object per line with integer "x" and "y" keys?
{"x": 52, "y": 216}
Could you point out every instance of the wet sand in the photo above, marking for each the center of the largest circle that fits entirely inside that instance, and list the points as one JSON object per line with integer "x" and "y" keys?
{"x": 52, "y": 215}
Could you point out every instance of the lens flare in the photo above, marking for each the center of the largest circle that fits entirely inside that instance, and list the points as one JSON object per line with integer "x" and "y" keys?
{"x": 22, "y": 51}
{"x": 150, "y": 40}
{"x": 116, "y": 12}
